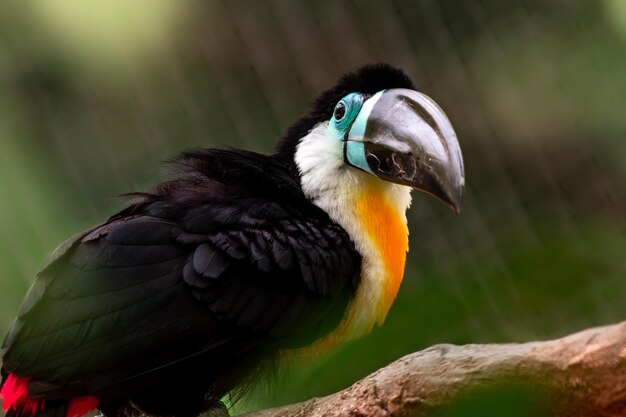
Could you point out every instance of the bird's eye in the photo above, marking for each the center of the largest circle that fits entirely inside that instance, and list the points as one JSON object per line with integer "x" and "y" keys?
{"x": 340, "y": 111}
{"x": 345, "y": 111}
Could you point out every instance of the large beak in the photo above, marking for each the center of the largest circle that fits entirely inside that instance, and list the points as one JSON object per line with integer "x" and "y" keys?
{"x": 404, "y": 137}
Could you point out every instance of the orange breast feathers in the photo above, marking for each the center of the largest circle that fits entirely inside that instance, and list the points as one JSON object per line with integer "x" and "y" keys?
{"x": 378, "y": 225}
{"x": 385, "y": 226}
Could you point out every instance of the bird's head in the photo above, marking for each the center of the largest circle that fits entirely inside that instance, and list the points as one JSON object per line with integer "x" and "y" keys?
{"x": 374, "y": 121}
{"x": 358, "y": 153}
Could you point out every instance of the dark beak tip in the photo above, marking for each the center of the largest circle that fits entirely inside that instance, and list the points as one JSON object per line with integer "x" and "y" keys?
{"x": 455, "y": 205}
{"x": 458, "y": 207}
{"x": 460, "y": 194}
{"x": 456, "y": 202}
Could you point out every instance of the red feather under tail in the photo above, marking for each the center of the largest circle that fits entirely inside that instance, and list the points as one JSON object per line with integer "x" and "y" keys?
{"x": 82, "y": 405}
{"x": 15, "y": 399}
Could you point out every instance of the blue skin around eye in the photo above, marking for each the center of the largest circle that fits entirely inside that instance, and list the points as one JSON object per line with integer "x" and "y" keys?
{"x": 355, "y": 153}
{"x": 358, "y": 127}
{"x": 355, "y": 108}
{"x": 352, "y": 103}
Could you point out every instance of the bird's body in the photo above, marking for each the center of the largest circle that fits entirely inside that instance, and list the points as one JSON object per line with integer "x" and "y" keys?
{"x": 175, "y": 301}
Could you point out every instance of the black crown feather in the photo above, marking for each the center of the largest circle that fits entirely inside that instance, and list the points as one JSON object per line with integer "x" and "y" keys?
{"x": 368, "y": 79}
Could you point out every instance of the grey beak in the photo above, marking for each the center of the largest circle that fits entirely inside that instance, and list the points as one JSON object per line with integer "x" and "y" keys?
{"x": 407, "y": 139}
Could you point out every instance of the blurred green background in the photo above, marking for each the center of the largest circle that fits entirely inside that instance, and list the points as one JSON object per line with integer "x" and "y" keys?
{"x": 93, "y": 95}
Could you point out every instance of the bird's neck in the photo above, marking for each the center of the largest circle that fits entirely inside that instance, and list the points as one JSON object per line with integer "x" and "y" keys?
{"x": 381, "y": 218}
{"x": 373, "y": 214}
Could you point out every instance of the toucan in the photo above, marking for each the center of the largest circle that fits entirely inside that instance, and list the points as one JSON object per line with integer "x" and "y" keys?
{"x": 234, "y": 261}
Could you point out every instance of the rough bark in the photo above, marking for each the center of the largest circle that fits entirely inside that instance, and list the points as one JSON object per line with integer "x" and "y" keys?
{"x": 583, "y": 374}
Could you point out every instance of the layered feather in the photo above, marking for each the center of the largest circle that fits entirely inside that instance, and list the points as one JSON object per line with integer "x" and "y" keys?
{"x": 196, "y": 281}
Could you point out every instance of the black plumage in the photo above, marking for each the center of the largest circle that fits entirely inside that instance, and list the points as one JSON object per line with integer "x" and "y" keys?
{"x": 367, "y": 80}
{"x": 216, "y": 265}
{"x": 194, "y": 285}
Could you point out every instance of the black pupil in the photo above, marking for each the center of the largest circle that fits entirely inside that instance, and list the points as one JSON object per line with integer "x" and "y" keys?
{"x": 340, "y": 111}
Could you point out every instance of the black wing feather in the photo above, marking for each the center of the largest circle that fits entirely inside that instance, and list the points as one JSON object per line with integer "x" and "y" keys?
{"x": 227, "y": 257}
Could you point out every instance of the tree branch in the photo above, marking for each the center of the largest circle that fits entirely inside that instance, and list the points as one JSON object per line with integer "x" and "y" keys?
{"x": 583, "y": 374}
